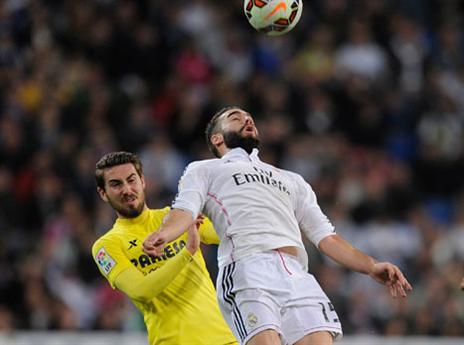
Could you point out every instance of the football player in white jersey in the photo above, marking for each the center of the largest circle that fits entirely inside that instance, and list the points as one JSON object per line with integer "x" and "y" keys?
{"x": 264, "y": 289}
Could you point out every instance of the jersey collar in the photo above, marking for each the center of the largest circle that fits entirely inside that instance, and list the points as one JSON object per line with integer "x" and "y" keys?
{"x": 240, "y": 154}
{"x": 136, "y": 220}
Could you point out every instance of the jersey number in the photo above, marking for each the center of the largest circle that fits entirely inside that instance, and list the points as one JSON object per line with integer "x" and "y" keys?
{"x": 330, "y": 309}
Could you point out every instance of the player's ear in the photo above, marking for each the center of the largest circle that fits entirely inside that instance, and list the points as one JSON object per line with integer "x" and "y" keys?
{"x": 142, "y": 178}
{"x": 217, "y": 139}
{"x": 102, "y": 193}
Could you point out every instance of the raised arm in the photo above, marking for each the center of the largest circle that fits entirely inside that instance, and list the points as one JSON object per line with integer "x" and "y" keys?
{"x": 385, "y": 273}
{"x": 175, "y": 224}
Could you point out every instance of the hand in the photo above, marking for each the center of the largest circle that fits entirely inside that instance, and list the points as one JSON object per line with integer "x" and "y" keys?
{"x": 193, "y": 239}
{"x": 154, "y": 244}
{"x": 391, "y": 276}
{"x": 462, "y": 284}
{"x": 200, "y": 219}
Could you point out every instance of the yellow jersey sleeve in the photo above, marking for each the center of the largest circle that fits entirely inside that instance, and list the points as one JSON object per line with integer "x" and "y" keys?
{"x": 110, "y": 258}
{"x": 208, "y": 234}
{"x": 144, "y": 288}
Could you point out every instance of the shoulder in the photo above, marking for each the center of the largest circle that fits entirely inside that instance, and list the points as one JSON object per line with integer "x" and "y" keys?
{"x": 294, "y": 176}
{"x": 297, "y": 180}
{"x": 203, "y": 164}
{"x": 159, "y": 212}
{"x": 201, "y": 168}
{"x": 110, "y": 238}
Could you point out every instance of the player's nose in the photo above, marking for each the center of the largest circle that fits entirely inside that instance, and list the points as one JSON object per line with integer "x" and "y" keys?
{"x": 248, "y": 119}
{"x": 125, "y": 189}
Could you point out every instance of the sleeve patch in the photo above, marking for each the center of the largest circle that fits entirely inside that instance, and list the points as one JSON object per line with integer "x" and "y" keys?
{"x": 105, "y": 261}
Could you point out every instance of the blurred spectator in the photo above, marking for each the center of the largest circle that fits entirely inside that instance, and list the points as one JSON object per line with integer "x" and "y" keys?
{"x": 409, "y": 47}
{"x": 360, "y": 55}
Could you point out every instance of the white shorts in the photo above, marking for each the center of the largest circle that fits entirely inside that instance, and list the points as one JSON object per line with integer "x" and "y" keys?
{"x": 272, "y": 291}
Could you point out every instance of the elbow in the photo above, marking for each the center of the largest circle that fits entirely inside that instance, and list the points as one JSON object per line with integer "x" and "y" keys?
{"x": 327, "y": 243}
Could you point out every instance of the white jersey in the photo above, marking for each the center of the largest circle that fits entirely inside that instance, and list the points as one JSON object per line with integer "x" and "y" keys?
{"x": 254, "y": 206}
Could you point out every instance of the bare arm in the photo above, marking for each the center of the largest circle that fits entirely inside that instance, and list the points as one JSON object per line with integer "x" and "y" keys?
{"x": 345, "y": 254}
{"x": 385, "y": 273}
{"x": 175, "y": 223}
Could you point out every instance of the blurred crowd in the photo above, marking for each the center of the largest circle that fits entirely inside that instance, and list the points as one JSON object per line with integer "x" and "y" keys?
{"x": 364, "y": 98}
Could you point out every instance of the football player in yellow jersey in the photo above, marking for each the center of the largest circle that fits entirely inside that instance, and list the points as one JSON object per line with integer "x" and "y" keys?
{"x": 174, "y": 292}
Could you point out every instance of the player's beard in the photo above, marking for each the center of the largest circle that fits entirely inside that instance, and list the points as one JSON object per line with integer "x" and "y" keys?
{"x": 236, "y": 139}
{"x": 125, "y": 211}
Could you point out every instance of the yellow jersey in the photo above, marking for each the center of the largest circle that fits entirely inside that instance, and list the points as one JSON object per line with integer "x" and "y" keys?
{"x": 185, "y": 310}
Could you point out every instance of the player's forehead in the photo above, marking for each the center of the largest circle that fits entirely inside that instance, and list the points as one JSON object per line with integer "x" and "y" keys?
{"x": 119, "y": 172}
{"x": 233, "y": 112}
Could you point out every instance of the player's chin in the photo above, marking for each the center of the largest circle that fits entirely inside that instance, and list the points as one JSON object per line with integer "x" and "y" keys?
{"x": 132, "y": 210}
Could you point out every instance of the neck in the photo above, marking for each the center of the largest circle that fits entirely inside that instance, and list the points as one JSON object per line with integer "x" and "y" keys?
{"x": 222, "y": 150}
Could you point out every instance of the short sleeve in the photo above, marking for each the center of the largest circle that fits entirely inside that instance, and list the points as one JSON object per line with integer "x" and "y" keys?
{"x": 110, "y": 259}
{"x": 311, "y": 220}
{"x": 192, "y": 189}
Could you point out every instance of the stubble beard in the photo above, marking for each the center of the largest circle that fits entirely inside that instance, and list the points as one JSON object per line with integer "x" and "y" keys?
{"x": 127, "y": 212}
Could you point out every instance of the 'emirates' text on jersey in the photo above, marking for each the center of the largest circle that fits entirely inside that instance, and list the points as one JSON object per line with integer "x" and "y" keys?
{"x": 253, "y": 205}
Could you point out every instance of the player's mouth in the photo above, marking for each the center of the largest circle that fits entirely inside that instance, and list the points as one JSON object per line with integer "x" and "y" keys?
{"x": 248, "y": 129}
{"x": 130, "y": 200}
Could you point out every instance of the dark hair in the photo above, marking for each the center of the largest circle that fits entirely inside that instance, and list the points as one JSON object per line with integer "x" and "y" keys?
{"x": 212, "y": 128}
{"x": 114, "y": 159}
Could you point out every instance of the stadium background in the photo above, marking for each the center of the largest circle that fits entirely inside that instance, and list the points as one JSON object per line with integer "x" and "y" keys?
{"x": 363, "y": 98}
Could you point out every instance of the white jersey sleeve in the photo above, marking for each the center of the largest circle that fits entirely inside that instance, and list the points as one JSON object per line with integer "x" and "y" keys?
{"x": 311, "y": 220}
{"x": 192, "y": 189}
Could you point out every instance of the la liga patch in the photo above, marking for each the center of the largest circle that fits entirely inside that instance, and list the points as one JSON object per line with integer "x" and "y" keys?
{"x": 105, "y": 261}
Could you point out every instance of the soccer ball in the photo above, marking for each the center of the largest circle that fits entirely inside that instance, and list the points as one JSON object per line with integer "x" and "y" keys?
{"x": 273, "y": 17}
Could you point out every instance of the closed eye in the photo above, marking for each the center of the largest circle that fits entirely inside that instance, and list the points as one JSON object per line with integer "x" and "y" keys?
{"x": 114, "y": 183}
{"x": 235, "y": 115}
